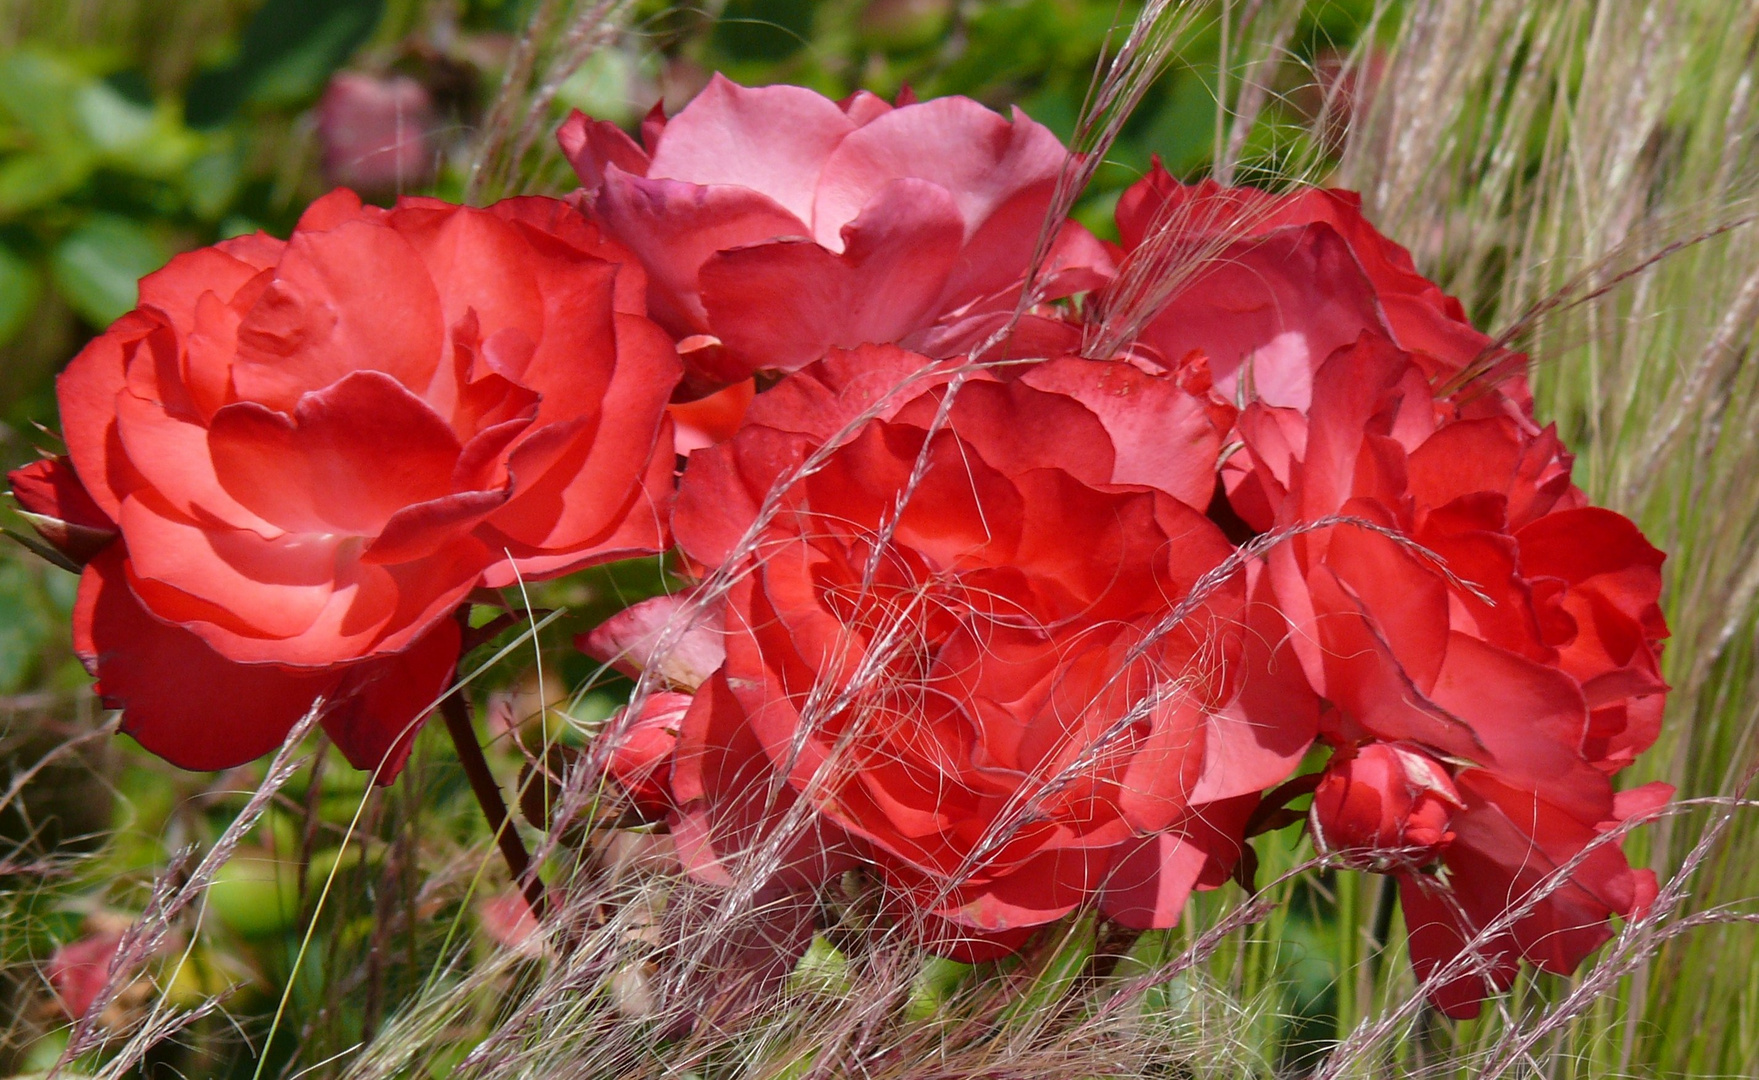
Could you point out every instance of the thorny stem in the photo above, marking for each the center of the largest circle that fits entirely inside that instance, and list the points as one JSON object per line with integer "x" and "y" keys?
{"x": 488, "y": 796}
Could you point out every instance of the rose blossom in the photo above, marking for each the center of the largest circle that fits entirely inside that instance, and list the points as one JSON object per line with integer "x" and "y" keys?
{"x": 1268, "y": 286}
{"x": 980, "y": 687}
{"x": 776, "y": 223}
{"x": 311, "y": 452}
{"x": 1514, "y": 635}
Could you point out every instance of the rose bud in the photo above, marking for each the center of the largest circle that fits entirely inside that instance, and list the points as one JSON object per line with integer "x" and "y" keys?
{"x": 641, "y": 757}
{"x": 776, "y": 223}
{"x": 294, "y": 461}
{"x": 375, "y": 132}
{"x": 1384, "y": 797}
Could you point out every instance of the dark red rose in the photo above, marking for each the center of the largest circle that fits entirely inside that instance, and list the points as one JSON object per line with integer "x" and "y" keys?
{"x": 776, "y": 223}
{"x": 1493, "y": 620}
{"x": 312, "y": 451}
{"x": 1385, "y": 797}
{"x": 1268, "y": 286}
{"x": 952, "y": 649}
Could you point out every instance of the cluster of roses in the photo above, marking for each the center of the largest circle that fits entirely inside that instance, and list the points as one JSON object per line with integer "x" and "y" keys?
{"x": 1036, "y": 564}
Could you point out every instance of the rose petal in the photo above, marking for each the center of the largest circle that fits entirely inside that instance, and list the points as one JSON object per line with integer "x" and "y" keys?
{"x": 768, "y": 139}
{"x": 179, "y": 698}
{"x": 781, "y": 305}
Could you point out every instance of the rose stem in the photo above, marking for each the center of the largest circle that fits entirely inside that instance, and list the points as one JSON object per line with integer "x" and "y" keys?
{"x": 488, "y": 796}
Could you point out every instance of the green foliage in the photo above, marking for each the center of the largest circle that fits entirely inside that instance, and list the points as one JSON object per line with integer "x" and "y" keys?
{"x": 284, "y": 56}
{"x": 97, "y": 265}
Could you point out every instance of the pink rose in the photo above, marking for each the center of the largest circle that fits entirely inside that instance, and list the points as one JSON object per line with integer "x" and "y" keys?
{"x": 776, "y": 223}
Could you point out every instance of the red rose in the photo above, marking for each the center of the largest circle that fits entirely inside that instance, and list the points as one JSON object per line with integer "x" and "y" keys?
{"x": 1384, "y": 797}
{"x": 776, "y": 223}
{"x": 313, "y": 451}
{"x": 1509, "y": 847}
{"x": 1518, "y": 637}
{"x": 1268, "y": 286}
{"x": 974, "y": 679}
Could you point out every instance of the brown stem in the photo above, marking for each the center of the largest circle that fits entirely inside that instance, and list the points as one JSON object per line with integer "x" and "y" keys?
{"x": 488, "y": 796}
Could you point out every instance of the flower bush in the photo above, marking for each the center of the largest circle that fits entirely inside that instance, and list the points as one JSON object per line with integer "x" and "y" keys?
{"x": 1024, "y": 590}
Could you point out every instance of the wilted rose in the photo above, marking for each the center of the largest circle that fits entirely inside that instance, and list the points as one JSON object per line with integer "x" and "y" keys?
{"x": 641, "y": 757}
{"x": 313, "y": 451}
{"x": 80, "y": 970}
{"x": 776, "y": 223}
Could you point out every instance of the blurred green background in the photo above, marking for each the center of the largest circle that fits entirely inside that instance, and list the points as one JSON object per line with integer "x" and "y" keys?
{"x": 131, "y": 130}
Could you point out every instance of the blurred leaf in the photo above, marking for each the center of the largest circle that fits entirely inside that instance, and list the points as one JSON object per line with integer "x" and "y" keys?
{"x": 19, "y": 291}
{"x": 36, "y": 96}
{"x": 36, "y": 93}
{"x": 763, "y": 29}
{"x": 213, "y": 181}
{"x": 137, "y": 138}
{"x": 99, "y": 265}
{"x": 1181, "y": 131}
{"x": 600, "y": 87}
{"x": 285, "y": 57}
{"x": 255, "y": 894}
{"x": 24, "y": 625}
{"x": 903, "y": 25}
{"x": 239, "y": 225}
{"x": 111, "y": 120}
{"x": 28, "y": 181}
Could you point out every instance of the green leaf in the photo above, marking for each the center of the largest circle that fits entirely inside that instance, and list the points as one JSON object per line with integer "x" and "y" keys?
{"x": 933, "y": 986}
{"x": 19, "y": 291}
{"x": 36, "y": 93}
{"x": 823, "y": 969}
{"x": 28, "y": 181}
{"x": 112, "y": 121}
{"x": 285, "y": 56}
{"x": 24, "y": 626}
{"x": 98, "y": 266}
{"x": 135, "y": 137}
{"x": 1057, "y": 977}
